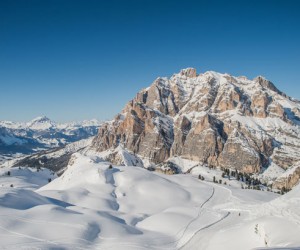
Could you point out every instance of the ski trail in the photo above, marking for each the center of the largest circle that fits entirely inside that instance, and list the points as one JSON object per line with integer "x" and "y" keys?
{"x": 165, "y": 245}
{"x": 203, "y": 228}
{"x": 185, "y": 228}
{"x": 197, "y": 217}
{"x": 212, "y": 224}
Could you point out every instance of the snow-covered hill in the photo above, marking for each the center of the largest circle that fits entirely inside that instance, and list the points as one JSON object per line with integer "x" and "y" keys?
{"x": 55, "y": 159}
{"x": 95, "y": 206}
{"x": 40, "y": 134}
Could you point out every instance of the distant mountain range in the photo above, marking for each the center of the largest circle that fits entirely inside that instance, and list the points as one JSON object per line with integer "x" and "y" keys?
{"x": 19, "y": 138}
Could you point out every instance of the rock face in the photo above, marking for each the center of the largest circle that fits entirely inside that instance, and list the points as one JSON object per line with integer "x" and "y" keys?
{"x": 289, "y": 180}
{"x": 215, "y": 119}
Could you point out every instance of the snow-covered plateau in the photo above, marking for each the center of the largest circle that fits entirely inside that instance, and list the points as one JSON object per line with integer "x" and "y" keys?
{"x": 96, "y": 205}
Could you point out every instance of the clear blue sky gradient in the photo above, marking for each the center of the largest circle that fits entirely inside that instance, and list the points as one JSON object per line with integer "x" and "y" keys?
{"x": 75, "y": 60}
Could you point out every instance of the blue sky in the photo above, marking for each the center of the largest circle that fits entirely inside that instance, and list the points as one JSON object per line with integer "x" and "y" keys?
{"x": 75, "y": 60}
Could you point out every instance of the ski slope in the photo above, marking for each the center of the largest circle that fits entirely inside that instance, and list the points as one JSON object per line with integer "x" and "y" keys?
{"x": 93, "y": 206}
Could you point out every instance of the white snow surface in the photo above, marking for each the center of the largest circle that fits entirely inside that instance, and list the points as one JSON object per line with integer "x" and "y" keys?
{"x": 92, "y": 206}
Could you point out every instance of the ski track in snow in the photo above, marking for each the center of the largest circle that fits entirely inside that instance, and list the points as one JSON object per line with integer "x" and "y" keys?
{"x": 201, "y": 229}
{"x": 199, "y": 213}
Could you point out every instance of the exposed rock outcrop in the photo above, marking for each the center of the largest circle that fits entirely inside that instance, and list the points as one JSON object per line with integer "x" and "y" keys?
{"x": 290, "y": 179}
{"x": 215, "y": 119}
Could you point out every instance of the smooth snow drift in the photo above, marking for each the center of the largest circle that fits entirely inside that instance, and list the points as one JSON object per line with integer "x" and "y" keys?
{"x": 95, "y": 206}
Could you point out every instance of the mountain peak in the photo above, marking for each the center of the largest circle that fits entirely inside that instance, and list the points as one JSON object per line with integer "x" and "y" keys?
{"x": 212, "y": 118}
{"x": 265, "y": 83}
{"x": 42, "y": 118}
{"x": 41, "y": 122}
{"x": 188, "y": 72}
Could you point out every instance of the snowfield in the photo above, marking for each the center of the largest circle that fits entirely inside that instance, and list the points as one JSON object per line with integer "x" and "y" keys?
{"x": 95, "y": 206}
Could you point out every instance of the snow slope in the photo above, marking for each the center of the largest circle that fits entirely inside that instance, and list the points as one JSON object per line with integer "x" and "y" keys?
{"x": 93, "y": 206}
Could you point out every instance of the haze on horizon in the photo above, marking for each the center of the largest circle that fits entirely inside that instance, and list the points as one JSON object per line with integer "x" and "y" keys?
{"x": 76, "y": 60}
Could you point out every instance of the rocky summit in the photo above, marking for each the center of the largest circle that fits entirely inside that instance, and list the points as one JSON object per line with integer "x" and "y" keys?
{"x": 211, "y": 118}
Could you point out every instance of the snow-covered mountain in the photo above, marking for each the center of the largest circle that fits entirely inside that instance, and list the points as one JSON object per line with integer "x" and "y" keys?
{"x": 211, "y": 118}
{"x": 41, "y": 134}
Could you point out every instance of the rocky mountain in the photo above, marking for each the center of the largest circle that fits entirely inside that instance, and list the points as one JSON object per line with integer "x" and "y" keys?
{"x": 41, "y": 134}
{"x": 211, "y": 118}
